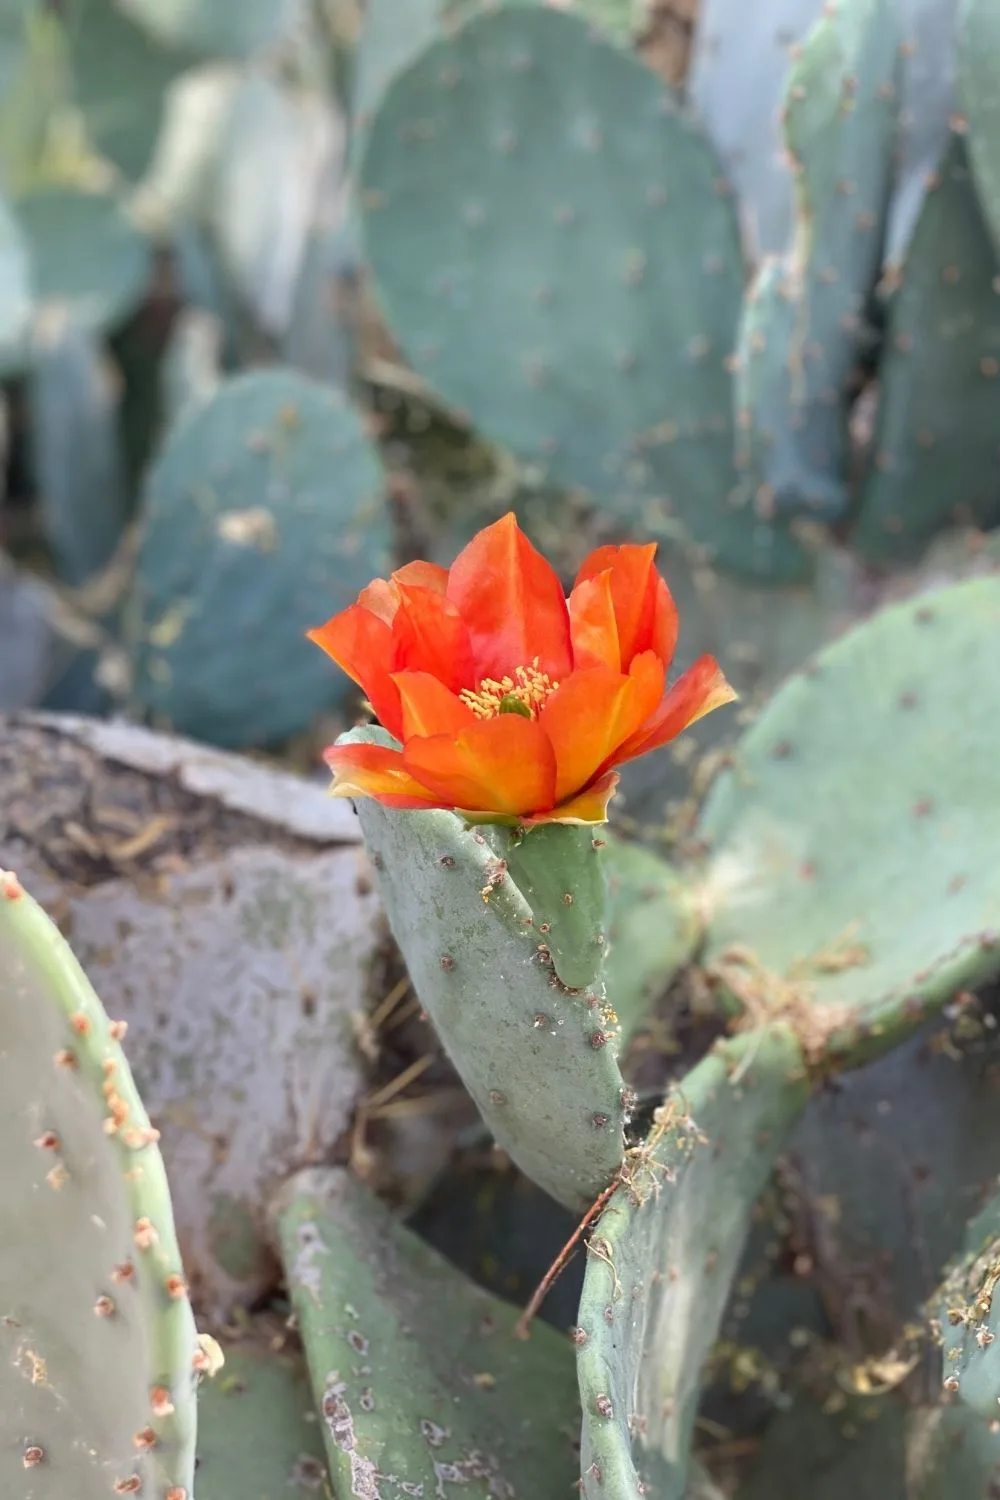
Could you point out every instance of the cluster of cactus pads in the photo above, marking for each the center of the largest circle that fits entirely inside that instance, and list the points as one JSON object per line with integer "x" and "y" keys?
{"x": 754, "y": 318}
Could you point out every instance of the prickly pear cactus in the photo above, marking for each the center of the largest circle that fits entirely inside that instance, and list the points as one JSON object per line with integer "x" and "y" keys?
{"x": 98, "y": 1351}
{"x": 119, "y": 78}
{"x": 15, "y": 291}
{"x": 415, "y": 1371}
{"x": 257, "y": 1430}
{"x": 803, "y": 340}
{"x": 861, "y": 905}
{"x": 939, "y": 379}
{"x": 653, "y": 928}
{"x": 519, "y": 171}
{"x": 968, "y": 1319}
{"x": 739, "y": 74}
{"x": 978, "y": 61}
{"x": 85, "y": 252}
{"x": 513, "y": 985}
{"x": 951, "y": 1450}
{"x": 663, "y": 1255}
{"x": 264, "y": 499}
{"x": 77, "y": 454}
{"x": 214, "y": 28}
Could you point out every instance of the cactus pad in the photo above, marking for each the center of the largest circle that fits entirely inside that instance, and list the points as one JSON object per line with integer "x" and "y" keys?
{"x": 85, "y": 252}
{"x": 257, "y": 1430}
{"x": 217, "y": 28}
{"x": 653, "y": 928}
{"x": 851, "y": 880}
{"x": 968, "y": 1312}
{"x": 939, "y": 376}
{"x": 978, "y": 60}
{"x": 662, "y": 1257}
{"x": 739, "y": 73}
{"x": 809, "y": 327}
{"x": 264, "y": 507}
{"x": 540, "y": 1059}
{"x": 15, "y": 291}
{"x": 97, "y": 1340}
{"x": 77, "y": 457}
{"x": 525, "y": 169}
{"x": 120, "y": 77}
{"x": 416, "y": 1372}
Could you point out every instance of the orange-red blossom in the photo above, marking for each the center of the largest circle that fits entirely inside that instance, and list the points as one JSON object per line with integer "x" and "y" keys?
{"x": 511, "y": 703}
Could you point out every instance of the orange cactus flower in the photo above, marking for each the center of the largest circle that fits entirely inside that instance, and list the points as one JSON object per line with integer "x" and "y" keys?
{"x": 511, "y": 703}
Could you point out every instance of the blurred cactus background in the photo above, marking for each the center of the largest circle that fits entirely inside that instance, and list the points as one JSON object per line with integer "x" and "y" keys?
{"x": 293, "y": 292}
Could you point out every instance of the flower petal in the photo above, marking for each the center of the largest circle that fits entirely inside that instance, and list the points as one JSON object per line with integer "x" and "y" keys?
{"x": 375, "y": 771}
{"x": 589, "y": 806}
{"x": 593, "y": 713}
{"x": 512, "y": 603}
{"x": 593, "y": 626}
{"x": 423, "y": 575}
{"x": 429, "y": 707}
{"x": 501, "y": 765}
{"x": 429, "y": 635}
{"x": 696, "y": 692}
{"x": 644, "y": 609}
{"x": 361, "y": 644}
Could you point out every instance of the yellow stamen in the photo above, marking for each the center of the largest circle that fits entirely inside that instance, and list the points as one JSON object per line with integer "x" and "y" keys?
{"x": 528, "y": 686}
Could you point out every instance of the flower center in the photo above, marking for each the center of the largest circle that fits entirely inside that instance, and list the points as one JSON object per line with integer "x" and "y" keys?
{"x": 524, "y": 693}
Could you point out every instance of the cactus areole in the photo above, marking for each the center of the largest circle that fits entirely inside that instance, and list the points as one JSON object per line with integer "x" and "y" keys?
{"x": 511, "y": 703}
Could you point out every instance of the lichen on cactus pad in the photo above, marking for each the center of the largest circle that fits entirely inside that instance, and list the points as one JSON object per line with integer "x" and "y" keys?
{"x": 264, "y": 499}
{"x": 537, "y": 1051}
{"x": 98, "y": 1351}
{"x": 968, "y": 1314}
{"x": 851, "y": 882}
{"x": 419, "y": 1382}
{"x": 559, "y": 258}
{"x": 663, "y": 1255}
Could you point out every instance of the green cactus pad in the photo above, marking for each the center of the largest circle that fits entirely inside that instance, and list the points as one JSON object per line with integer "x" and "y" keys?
{"x": 13, "y": 17}
{"x": 293, "y": 138}
{"x": 85, "y": 253}
{"x": 258, "y": 1435}
{"x": 76, "y": 447}
{"x": 519, "y": 172}
{"x": 416, "y": 1372}
{"x": 653, "y": 929}
{"x": 739, "y": 73}
{"x": 97, "y": 1340}
{"x": 808, "y": 326}
{"x": 978, "y": 61}
{"x": 856, "y": 1449}
{"x": 263, "y": 514}
{"x": 217, "y": 28}
{"x": 928, "y": 99}
{"x": 968, "y": 1311}
{"x": 15, "y": 291}
{"x": 539, "y": 1059}
{"x": 397, "y": 31}
{"x": 851, "y": 882}
{"x": 120, "y": 78}
{"x": 662, "y": 1258}
{"x": 951, "y": 1451}
{"x": 935, "y": 447}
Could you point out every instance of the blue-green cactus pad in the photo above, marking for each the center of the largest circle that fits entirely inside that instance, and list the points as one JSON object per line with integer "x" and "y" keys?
{"x": 263, "y": 515}
{"x": 935, "y": 450}
{"x": 558, "y": 255}
{"x": 852, "y": 878}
